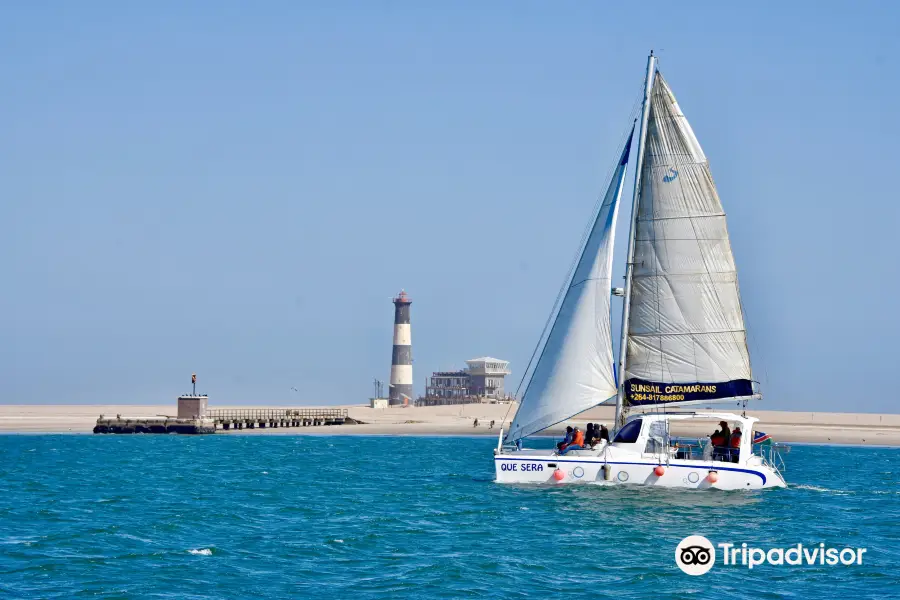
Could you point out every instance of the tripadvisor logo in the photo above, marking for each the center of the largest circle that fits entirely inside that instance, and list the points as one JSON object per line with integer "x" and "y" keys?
{"x": 695, "y": 555}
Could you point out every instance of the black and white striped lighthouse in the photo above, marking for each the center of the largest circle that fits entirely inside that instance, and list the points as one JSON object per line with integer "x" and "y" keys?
{"x": 401, "y": 391}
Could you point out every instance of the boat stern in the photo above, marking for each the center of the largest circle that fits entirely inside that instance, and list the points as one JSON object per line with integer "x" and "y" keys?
{"x": 519, "y": 467}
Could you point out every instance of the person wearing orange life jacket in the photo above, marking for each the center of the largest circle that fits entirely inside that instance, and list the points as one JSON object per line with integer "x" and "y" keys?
{"x": 735, "y": 449}
{"x": 736, "y": 438}
{"x": 721, "y": 441}
{"x": 577, "y": 442}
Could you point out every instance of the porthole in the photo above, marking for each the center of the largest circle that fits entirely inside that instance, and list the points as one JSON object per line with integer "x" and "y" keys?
{"x": 693, "y": 477}
{"x": 578, "y": 472}
{"x": 622, "y": 476}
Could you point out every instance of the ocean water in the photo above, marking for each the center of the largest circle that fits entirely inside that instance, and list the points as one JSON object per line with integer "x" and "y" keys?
{"x": 230, "y": 516}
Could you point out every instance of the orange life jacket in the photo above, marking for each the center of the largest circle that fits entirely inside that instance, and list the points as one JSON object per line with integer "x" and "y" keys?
{"x": 579, "y": 439}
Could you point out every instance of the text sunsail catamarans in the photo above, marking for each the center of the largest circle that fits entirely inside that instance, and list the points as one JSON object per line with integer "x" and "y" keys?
{"x": 683, "y": 335}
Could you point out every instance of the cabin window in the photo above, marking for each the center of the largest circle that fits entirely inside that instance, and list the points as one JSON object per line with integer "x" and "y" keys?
{"x": 629, "y": 434}
{"x": 658, "y": 437}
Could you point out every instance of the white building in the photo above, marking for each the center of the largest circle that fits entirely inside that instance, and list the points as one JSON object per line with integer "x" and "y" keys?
{"x": 486, "y": 376}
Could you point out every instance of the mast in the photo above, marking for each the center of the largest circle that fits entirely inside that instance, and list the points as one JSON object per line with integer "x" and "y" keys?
{"x": 629, "y": 266}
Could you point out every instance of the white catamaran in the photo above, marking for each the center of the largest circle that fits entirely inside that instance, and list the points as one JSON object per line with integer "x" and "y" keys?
{"x": 683, "y": 336}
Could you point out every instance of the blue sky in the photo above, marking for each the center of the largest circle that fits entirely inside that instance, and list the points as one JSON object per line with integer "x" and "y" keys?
{"x": 238, "y": 188}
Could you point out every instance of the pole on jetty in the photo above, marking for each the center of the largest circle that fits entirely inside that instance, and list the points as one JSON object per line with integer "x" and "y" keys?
{"x": 401, "y": 388}
{"x": 194, "y": 383}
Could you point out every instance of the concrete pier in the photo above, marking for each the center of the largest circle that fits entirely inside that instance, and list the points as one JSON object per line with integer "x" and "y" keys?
{"x": 118, "y": 424}
{"x": 252, "y": 418}
{"x": 225, "y": 419}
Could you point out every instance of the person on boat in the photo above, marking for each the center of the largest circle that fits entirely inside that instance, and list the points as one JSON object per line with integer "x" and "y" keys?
{"x": 604, "y": 433}
{"x": 577, "y": 442}
{"x": 721, "y": 441}
{"x": 735, "y": 448}
{"x": 722, "y": 436}
{"x": 589, "y": 435}
{"x": 566, "y": 440}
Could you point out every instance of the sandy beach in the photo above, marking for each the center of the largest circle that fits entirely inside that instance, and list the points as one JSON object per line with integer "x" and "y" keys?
{"x": 805, "y": 427}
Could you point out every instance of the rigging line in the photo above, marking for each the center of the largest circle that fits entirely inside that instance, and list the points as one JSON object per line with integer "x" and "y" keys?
{"x": 575, "y": 284}
{"x": 564, "y": 287}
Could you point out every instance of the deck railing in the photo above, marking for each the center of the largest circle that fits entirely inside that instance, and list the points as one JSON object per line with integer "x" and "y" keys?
{"x": 264, "y": 414}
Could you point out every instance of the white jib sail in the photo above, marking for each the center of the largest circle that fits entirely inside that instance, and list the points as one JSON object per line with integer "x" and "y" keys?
{"x": 686, "y": 325}
{"x": 575, "y": 370}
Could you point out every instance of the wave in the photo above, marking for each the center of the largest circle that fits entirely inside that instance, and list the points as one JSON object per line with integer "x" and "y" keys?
{"x": 200, "y": 552}
{"x": 815, "y": 488}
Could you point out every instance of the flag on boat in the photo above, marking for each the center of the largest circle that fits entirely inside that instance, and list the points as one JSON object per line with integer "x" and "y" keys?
{"x": 761, "y": 436}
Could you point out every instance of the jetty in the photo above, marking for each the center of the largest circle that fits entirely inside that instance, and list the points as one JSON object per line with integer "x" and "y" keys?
{"x": 253, "y": 418}
{"x": 158, "y": 424}
{"x": 195, "y": 417}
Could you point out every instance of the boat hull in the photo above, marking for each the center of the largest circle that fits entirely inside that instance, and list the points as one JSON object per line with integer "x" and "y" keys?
{"x": 538, "y": 468}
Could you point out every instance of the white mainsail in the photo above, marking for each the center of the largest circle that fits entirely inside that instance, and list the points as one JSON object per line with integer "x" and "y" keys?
{"x": 686, "y": 336}
{"x": 575, "y": 370}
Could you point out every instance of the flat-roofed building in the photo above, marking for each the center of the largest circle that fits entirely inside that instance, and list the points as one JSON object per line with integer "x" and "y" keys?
{"x": 448, "y": 384}
{"x": 486, "y": 376}
{"x": 481, "y": 381}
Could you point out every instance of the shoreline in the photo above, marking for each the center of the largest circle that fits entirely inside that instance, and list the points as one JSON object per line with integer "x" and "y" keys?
{"x": 856, "y": 429}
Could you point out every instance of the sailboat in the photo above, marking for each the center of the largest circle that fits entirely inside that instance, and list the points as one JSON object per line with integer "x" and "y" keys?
{"x": 683, "y": 339}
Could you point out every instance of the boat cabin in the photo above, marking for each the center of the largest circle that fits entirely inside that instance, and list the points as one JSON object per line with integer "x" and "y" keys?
{"x": 649, "y": 435}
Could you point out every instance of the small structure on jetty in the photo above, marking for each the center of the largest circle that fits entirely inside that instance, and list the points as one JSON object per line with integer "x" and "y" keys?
{"x": 192, "y": 407}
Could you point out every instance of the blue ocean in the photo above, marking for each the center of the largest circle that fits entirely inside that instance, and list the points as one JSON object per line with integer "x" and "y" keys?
{"x": 233, "y": 516}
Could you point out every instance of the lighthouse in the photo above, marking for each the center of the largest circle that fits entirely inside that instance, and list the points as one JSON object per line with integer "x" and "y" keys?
{"x": 401, "y": 391}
